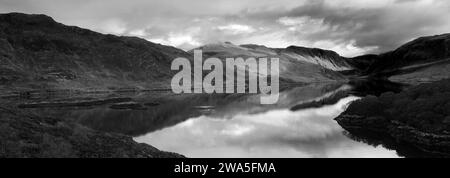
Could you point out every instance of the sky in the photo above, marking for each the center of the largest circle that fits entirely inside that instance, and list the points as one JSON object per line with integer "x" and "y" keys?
{"x": 349, "y": 27}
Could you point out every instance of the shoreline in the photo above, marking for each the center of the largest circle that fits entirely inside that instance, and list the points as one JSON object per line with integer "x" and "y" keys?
{"x": 24, "y": 135}
{"x": 400, "y": 116}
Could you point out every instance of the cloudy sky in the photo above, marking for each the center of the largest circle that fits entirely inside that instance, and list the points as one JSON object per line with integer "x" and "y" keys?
{"x": 350, "y": 27}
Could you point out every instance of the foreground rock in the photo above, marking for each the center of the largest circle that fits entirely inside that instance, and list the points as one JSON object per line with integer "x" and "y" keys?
{"x": 418, "y": 116}
{"x": 25, "y": 135}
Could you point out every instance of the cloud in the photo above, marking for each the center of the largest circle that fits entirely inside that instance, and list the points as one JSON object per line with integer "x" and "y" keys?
{"x": 183, "y": 41}
{"x": 368, "y": 27}
{"x": 386, "y": 27}
{"x": 345, "y": 48}
{"x": 138, "y": 33}
{"x": 112, "y": 26}
{"x": 351, "y": 27}
{"x": 235, "y": 29}
{"x": 180, "y": 39}
{"x": 295, "y": 21}
{"x": 304, "y": 25}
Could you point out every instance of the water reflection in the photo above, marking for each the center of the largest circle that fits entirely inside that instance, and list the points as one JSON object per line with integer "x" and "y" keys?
{"x": 173, "y": 109}
{"x": 274, "y": 133}
{"x": 230, "y": 125}
{"x": 381, "y": 139}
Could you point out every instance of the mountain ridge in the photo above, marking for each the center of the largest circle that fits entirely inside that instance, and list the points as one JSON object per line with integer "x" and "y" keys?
{"x": 336, "y": 62}
{"x": 37, "y": 51}
{"x": 295, "y": 65}
{"x": 421, "y": 50}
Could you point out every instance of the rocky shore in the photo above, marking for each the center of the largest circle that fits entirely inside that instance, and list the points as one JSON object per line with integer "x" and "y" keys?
{"x": 418, "y": 116}
{"x": 25, "y": 135}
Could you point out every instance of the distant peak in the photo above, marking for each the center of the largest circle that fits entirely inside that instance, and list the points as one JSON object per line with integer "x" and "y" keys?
{"x": 310, "y": 49}
{"x": 434, "y": 37}
{"x": 253, "y": 46}
{"x": 297, "y": 47}
{"x": 226, "y": 44}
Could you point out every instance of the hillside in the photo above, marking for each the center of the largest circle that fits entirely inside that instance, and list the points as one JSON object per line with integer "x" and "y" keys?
{"x": 297, "y": 64}
{"x": 26, "y": 135}
{"x": 419, "y": 51}
{"x": 38, "y": 53}
{"x": 419, "y": 116}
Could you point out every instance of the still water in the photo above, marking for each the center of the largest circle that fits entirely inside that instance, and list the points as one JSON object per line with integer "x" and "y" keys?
{"x": 275, "y": 133}
{"x": 300, "y": 125}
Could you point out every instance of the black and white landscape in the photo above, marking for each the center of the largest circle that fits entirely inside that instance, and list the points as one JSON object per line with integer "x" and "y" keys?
{"x": 357, "y": 79}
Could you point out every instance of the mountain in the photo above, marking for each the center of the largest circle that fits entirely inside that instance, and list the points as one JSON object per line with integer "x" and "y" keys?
{"x": 325, "y": 58}
{"x": 416, "y": 119}
{"x": 38, "y": 53}
{"x": 424, "y": 50}
{"x": 297, "y": 64}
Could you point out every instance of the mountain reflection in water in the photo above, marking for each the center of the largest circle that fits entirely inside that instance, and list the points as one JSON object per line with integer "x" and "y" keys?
{"x": 275, "y": 133}
{"x": 231, "y": 125}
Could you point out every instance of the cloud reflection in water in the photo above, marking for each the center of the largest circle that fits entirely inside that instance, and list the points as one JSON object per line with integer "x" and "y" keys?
{"x": 275, "y": 133}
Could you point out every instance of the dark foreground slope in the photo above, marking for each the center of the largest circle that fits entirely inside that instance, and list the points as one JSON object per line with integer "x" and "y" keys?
{"x": 26, "y": 135}
{"x": 419, "y": 116}
{"x": 38, "y": 53}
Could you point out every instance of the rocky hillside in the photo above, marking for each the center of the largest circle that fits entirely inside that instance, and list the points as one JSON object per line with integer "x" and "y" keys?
{"x": 423, "y": 50}
{"x": 419, "y": 116}
{"x": 25, "y": 135}
{"x": 297, "y": 64}
{"x": 325, "y": 58}
{"x": 38, "y": 53}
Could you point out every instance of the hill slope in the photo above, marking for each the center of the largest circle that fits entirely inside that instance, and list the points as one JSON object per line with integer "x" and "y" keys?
{"x": 297, "y": 64}
{"x": 38, "y": 53}
{"x": 420, "y": 51}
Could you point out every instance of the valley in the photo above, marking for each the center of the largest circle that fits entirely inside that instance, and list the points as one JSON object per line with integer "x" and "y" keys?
{"x": 72, "y": 92}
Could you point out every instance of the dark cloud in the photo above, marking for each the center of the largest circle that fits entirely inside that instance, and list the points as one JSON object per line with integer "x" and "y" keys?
{"x": 376, "y": 29}
{"x": 350, "y": 27}
{"x": 385, "y": 27}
